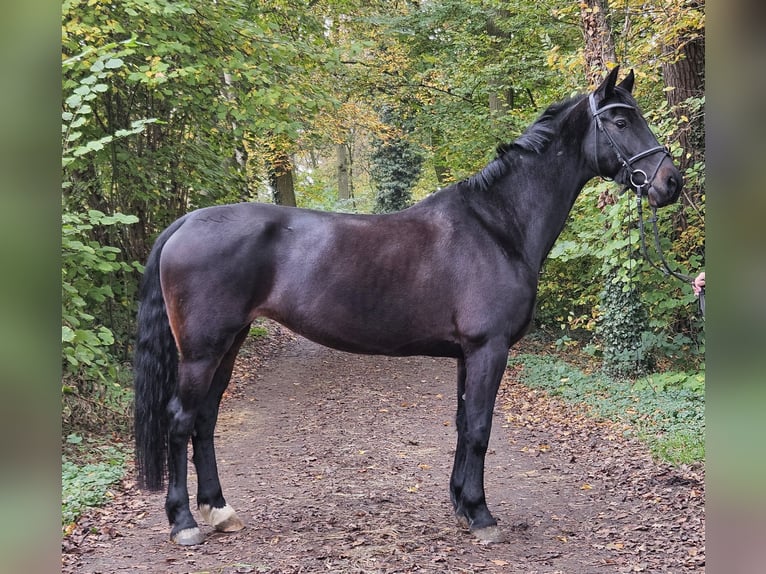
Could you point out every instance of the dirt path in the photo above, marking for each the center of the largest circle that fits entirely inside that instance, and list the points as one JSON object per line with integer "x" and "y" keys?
{"x": 340, "y": 463}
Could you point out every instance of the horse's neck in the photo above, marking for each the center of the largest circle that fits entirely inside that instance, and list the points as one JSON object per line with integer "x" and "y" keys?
{"x": 534, "y": 199}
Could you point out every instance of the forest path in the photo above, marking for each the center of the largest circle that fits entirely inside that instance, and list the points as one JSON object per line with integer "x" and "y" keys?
{"x": 341, "y": 463}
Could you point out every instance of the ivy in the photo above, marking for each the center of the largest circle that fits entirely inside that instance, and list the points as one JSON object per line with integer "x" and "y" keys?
{"x": 87, "y": 485}
{"x": 666, "y": 411}
{"x": 394, "y": 167}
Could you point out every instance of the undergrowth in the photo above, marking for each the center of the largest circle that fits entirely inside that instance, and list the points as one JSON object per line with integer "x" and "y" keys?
{"x": 665, "y": 410}
{"x": 89, "y": 468}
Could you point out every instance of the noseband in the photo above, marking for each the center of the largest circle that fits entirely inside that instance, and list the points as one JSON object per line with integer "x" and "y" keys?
{"x": 638, "y": 177}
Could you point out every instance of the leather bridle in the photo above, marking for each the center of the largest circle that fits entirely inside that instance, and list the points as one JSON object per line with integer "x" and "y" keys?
{"x": 638, "y": 178}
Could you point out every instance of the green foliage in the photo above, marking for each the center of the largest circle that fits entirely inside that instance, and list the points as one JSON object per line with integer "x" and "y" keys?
{"x": 620, "y": 328}
{"x": 666, "y": 411}
{"x": 87, "y": 485}
{"x": 258, "y": 331}
{"x": 78, "y": 111}
{"x": 85, "y": 281}
{"x": 394, "y": 168}
{"x": 603, "y": 241}
{"x": 460, "y": 54}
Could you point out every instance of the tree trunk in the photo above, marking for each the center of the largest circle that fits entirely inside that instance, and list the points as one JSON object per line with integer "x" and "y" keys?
{"x": 685, "y": 73}
{"x": 599, "y": 42}
{"x": 500, "y": 94}
{"x": 240, "y": 152}
{"x": 500, "y": 101}
{"x": 619, "y": 338}
{"x": 344, "y": 172}
{"x": 281, "y": 179}
{"x": 441, "y": 168}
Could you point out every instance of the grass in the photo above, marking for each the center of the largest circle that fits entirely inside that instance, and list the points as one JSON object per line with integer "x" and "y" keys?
{"x": 259, "y": 329}
{"x": 666, "y": 410}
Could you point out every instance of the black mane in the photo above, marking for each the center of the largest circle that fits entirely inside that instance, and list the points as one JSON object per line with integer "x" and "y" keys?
{"x": 535, "y": 139}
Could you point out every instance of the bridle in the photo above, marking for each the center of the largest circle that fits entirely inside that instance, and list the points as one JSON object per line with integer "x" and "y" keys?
{"x": 638, "y": 180}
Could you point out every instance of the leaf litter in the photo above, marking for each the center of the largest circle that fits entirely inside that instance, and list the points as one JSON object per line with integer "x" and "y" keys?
{"x": 332, "y": 473}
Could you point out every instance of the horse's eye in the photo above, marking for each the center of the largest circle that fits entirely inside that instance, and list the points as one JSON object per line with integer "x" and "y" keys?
{"x": 621, "y": 123}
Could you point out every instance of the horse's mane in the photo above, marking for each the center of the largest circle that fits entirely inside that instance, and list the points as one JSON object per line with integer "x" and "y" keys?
{"x": 535, "y": 139}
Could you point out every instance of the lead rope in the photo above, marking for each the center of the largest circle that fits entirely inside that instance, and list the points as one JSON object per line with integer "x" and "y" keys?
{"x": 664, "y": 268}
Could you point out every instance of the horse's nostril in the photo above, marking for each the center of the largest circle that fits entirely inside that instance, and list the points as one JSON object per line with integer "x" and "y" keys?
{"x": 674, "y": 184}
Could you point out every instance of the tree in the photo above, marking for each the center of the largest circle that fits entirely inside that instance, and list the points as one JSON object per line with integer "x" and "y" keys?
{"x": 395, "y": 166}
{"x": 598, "y": 40}
{"x": 345, "y": 175}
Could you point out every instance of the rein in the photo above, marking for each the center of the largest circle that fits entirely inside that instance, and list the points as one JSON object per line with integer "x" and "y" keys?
{"x": 639, "y": 180}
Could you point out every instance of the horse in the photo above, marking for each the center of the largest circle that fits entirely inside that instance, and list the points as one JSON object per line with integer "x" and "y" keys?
{"x": 455, "y": 275}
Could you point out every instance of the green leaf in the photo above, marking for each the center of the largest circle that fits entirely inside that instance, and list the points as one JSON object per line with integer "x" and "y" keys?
{"x": 67, "y": 334}
{"x": 113, "y": 63}
{"x": 74, "y": 439}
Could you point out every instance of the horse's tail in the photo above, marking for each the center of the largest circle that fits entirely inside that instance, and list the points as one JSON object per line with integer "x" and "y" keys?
{"x": 155, "y": 368}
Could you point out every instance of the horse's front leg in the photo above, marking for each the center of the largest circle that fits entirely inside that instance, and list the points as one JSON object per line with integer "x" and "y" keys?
{"x": 458, "y": 467}
{"x": 210, "y": 501}
{"x": 483, "y": 371}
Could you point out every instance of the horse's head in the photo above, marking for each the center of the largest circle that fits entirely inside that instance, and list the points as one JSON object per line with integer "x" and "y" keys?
{"x": 622, "y": 146}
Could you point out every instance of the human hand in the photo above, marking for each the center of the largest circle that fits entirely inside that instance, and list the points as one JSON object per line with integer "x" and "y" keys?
{"x": 698, "y": 284}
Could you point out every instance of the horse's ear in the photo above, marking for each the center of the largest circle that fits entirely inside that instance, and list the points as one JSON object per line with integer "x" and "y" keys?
{"x": 627, "y": 83}
{"x": 606, "y": 89}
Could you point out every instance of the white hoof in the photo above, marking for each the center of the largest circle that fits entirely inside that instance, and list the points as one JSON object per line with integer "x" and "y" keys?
{"x": 188, "y": 537}
{"x": 222, "y": 519}
{"x": 489, "y": 535}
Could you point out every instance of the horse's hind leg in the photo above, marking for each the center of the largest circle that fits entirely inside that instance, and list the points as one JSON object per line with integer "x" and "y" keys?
{"x": 210, "y": 501}
{"x": 194, "y": 379}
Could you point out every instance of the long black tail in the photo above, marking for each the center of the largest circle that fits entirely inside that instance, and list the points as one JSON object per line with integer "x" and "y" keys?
{"x": 155, "y": 368}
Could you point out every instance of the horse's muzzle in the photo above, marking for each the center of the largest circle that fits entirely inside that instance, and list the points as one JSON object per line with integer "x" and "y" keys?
{"x": 666, "y": 185}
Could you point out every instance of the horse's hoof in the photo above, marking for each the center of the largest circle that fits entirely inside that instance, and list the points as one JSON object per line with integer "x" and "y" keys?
{"x": 188, "y": 537}
{"x": 489, "y": 535}
{"x": 222, "y": 519}
{"x": 462, "y": 520}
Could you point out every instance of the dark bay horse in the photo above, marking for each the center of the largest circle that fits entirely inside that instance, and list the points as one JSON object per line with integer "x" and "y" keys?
{"x": 452, "y": 276}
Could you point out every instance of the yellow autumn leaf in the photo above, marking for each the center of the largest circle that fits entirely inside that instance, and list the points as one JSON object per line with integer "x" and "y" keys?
{"x": 586, "y": 486}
